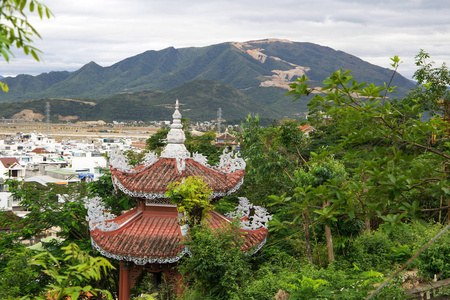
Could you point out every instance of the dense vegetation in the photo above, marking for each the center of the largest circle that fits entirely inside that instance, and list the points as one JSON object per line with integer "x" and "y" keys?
{"x": 351, "y": 203}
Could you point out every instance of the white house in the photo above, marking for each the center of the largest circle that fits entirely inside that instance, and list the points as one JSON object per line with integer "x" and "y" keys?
{"x": 11, "y": 168}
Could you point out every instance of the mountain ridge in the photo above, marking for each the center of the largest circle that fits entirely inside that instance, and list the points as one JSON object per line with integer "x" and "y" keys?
{"x": 261, "y": 70}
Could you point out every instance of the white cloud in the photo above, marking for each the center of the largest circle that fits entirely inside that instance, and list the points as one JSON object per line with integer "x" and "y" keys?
{"x": 107, "y": 31}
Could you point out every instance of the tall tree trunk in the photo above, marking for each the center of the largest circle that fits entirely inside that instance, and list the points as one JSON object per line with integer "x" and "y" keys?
{"x": 328, "y": 237}
{"x": 367, "y": 224}
{"x": 307, "y": 237}
{"x": 329, "y": 244}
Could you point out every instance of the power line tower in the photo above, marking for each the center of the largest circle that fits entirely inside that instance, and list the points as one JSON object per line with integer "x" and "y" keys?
{"x": 47, "y": 114}
{"x": 219, "y": 119}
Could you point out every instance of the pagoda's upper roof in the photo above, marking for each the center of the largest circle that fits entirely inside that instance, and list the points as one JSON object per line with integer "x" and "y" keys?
{"x": 150, "y": 182}
{"x": 151, "y": 179}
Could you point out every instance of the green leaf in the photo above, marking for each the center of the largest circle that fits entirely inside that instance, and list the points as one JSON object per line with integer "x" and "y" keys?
{"x": 75, "y": 295}
{"x": 33, "y": 53}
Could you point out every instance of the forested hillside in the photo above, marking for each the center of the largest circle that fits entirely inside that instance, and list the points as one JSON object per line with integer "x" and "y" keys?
{"x": 201, "y": 100}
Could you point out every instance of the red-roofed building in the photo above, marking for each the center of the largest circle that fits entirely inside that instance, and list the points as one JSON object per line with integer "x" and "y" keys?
{"x": 149, "y": 236}
{"x": 307, "y": 129}
{"x": 11, "y": 167}
{"x": 40, "y": 150}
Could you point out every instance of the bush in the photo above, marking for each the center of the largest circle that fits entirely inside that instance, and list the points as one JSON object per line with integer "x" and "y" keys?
{"x": 217, "y": 267}
{"x": 436, "y": 259}
{"x": 368, "y": 251}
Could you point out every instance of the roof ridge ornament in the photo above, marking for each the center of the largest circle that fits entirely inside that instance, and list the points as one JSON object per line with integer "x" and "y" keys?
{"x": 175, "y": 138}
{"x": 119, "y": 161}
{"x": 98, "y": 217}
{"x": 230, "y": 162}
{"x": 252, "y": 217}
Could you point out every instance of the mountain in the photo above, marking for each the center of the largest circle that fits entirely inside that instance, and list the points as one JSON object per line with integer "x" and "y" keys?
{"x": 201, "y": 101}
{"x": 259, "y": 70}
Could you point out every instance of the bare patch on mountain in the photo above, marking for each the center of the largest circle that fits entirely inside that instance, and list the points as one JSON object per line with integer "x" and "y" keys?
{"x": 68, "y": 118}
{"x": 75, "y": 100}
{"x": 283, "y": 79}
{"x": 28, "y": 115}
{"x": 280, "y": 78}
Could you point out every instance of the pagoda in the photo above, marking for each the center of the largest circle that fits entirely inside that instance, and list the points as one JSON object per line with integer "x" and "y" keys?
{"x": 149, "y": 237}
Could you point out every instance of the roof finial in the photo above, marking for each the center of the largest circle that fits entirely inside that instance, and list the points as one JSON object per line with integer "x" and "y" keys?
{"x": 175, "y": 138}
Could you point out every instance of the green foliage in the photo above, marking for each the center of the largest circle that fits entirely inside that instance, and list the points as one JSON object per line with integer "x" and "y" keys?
{"x": 16, "y": 30}
{"x": 135, "y": 158}
{"x": 115, "y": 200}
{"x": 217, "y": 268}
{"x": 203, "y": 144}
{"x": 431, "y": 92}
{"x": 69, "y": 280}
{"x": 436, "y": 259}
{"x": 18, "y": 278}
{"x": 369, "y": 251}
{"x": 192, "y": 198}
{"x": 304, "y": 281}
{"x": 320, "y": 169}
{"x": 51, "y": 206}
{"x": 388, "y": 147}
{"x": 157, "y": 141}
{"x": 271, "y": 156}
{"x": 310, "y": 288}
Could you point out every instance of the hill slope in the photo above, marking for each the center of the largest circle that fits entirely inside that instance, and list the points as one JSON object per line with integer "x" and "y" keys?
{"x": 201, "y": 101}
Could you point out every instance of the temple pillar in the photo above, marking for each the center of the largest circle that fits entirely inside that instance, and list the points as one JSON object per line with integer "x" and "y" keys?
{"x": 120, "y": 280}
{"x": 124, "y": 289}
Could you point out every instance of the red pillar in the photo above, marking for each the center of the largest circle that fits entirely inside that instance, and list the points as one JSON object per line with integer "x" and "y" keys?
{"x": 120, "y": 281}
{"x": 124, "y": 288}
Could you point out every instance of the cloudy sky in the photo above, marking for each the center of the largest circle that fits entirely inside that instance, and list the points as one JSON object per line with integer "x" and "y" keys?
{"x": 107, "y": 31}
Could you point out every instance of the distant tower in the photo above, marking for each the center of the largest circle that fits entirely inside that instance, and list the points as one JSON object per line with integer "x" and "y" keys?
{"x": 219, "y": 119}
{"x": 47, "y": 114}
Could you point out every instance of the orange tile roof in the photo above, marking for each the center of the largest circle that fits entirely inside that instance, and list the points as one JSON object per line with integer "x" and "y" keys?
{"x": 155, "y": 236}
{"x": 155, "y": 178}
{"x": 40, "y": 150}
{"x": 307, "y": 128}
{"x": 147, "y": 235}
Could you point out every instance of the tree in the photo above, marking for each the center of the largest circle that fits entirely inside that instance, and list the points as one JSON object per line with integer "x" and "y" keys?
{"x": 402, "y": 161}
{"x": 217, "y": 268}
{"x": 158, "y": 140}
{"x": 16, "y": 30}
{"x": 17, "y": 277}
{"x": 69, "y": 280}
{"x": 432, "y": 92}
{"x": 272, "y": 155}
{"x": 192, "y": 198}
{"x": 51, "y": 206}
{"x": 115, "y": 200}
{"x": 321, "y": 170}
{"x": 203, "y": 144}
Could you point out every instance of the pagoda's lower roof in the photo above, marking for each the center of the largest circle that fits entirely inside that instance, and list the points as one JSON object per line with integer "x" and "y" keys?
{"x": 151, "y": 182}
{"x": 154, "y": 236}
